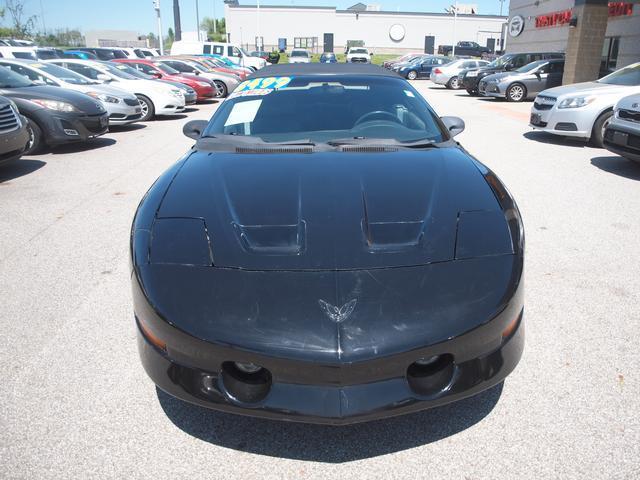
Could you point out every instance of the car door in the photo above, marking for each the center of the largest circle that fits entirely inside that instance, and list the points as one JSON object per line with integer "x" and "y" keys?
{"x": 556, "y": 72}
{"x": 535, "y": 81}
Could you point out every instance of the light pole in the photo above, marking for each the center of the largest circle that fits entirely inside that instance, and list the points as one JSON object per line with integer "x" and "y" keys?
{"x": 198, "y": 20}
{"x": 258, "y": 27}
{"x": 214, "y": 17}
{"x": 156, "y": 5}
{"x": 455, "y": 19}
{"x": 501, "y": 3}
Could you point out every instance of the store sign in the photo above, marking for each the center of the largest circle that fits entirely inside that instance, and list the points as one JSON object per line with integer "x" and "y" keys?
{"x": 516, "y": 25}
{"x": 620, "y": 9}
{"x": 554, "y": 19}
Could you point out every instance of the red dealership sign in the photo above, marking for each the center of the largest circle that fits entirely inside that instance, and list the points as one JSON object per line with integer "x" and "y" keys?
{"x": 553, "y": 19}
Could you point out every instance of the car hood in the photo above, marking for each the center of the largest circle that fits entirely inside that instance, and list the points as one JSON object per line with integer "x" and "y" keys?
{"x": 505, "y": 75}
{"x": 632, "y": 102}
{"x": 79, "y": 100}
{"x": 591, "y": 88}
{"x": 327, "y": 210}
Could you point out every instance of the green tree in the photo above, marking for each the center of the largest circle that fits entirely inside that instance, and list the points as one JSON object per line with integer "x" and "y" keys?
{"x": 216, "y": 29}
{"x": 22, "y": 26}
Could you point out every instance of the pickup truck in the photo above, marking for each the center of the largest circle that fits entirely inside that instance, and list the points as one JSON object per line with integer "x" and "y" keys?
{"x": 471, "y": 49}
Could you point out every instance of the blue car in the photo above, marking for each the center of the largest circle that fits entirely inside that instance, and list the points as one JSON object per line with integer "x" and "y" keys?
{"x": 328, "y": 58}
{"x": 79, "y": 54}
{"x": 420, "y": 67}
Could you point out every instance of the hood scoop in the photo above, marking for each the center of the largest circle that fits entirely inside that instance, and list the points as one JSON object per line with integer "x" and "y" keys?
{"x": 272, "y": 239}
{"x": 367, "y": 149}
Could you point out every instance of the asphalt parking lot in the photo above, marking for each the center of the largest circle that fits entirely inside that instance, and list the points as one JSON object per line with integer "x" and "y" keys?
{"x": 76, "y": 402}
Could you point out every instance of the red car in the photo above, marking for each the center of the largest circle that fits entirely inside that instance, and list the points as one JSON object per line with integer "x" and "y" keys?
{"x": 204, "y": 87}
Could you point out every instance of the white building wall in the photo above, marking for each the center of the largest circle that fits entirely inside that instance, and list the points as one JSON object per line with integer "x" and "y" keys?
{"x": 370, "y": 27}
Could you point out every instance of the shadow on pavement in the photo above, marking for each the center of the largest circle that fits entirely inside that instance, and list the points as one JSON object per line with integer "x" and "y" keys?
{"x": 328, "y": 444}
{"x": 19, "y": 168}
{"x": 130, "y": 127}
{"x": 544, "y": 137}
{"x": 190, "y": 109}
{"x": 92, "y": 144}
{"x": 618, "y": 166}
{"x": 163, "y": 118}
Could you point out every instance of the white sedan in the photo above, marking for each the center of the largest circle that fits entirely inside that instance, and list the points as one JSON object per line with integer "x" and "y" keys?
{"x": 156, "y": 98}
{"x": 447, "y": 75}
{"x": 583, "y": 110}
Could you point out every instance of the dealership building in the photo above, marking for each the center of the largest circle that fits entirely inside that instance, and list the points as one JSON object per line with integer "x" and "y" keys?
{"x": 597, "y": 36}
{"x": 329, "y": 29}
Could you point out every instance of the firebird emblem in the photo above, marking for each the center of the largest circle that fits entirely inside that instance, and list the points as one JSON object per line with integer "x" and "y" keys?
{"x": 338, "y": 314}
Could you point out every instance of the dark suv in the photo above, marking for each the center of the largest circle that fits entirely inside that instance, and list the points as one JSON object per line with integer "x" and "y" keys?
{"x": 511, "y": 61}
{"x": 104, "y": 53}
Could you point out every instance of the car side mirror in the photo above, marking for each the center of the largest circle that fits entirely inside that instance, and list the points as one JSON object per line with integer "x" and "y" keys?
{"x": 156, "y": 75}
{"x": 103, "y": 77}
{"x": 455, "y": 125}
{"x": 194, "y": 128}
{"x": 508, "y": 67}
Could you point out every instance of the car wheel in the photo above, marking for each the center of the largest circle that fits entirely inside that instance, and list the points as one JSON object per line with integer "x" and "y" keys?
{"x": 516, "y": 92}
{"x": 36, "y": 142}
{"x": 453, "y": 83}
{"x": 148, "y": 110}
{"x": 221, "y": 89}
{"x": 412, "y": 75}
{"x": 597, "y": 135}
{"x": 473, "y": 93}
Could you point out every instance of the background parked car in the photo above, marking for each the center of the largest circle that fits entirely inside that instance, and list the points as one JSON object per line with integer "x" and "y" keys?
{"x": 122, "y": 107}
{"x": 18, "y": 52}
{"x": 510, "y": 61}
{"x": 13, "y": 132}
{"x": 421, "y": 67}
{"x": 358, "y": 55}
{"x": 55, "y": 115}
{"x": 299, "y": 55}
{"x": 472, "y": 49}
{"x": 622, "y": 134}
{"x": 103, "y": 53}
{"x": 204, "y": 88}
{"x": 81, "y": 55}
{"x": 447, "y": 75}
{"x": 525, "y": 82}
{"x": 154, "y": 97}
{"x": 583, "y": 110}
{"x": 402, "y": 59}
{"x": 224, "y": 82}
{"x": 328, "y": 57}
{"x": 45, "y": 53}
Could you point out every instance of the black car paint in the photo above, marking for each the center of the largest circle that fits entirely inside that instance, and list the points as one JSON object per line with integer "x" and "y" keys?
{"x": 91, "y": 119}
{"x": 515, "y": 61}
{"x": 13, "y": 133}
{"x": 233, "y": 255}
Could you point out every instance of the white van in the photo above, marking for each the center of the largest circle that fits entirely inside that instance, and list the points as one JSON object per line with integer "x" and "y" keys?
{"x": 230, "y": 50}
{"x": 28, "y": 53}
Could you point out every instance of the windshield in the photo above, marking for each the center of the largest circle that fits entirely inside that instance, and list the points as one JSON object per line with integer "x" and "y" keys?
{"x": 196, "y": 65}
{"x": 9, "y": 79}
{"x": 358, "y": 50}
{"x": 299, "y": 53}
{"x": 166, "y": 68}
{"x": 498, "y": 62}
{"x": 46, "y": 54}
{"x": 120, "y": 70}
{"x": 629, "y": 76}
{"x": 529, "y": 67}
{"x": 244, "y": 52}
{"x": 63, "y": 74}
{"x": 346, "y": 107}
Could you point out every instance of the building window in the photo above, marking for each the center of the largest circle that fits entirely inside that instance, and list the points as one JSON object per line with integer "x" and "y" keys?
{"x": 310, "y": 43}
{"x": 609, "y": 55}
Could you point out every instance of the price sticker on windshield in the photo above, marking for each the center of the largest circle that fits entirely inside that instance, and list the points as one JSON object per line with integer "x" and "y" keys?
{"x": 270, "y": 83}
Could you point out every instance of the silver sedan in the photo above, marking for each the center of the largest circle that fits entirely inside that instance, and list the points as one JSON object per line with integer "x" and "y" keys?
{"x": 525, "y": 82}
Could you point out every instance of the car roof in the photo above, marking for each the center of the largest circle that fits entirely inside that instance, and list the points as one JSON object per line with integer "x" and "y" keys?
{"x": 290, "y": 69}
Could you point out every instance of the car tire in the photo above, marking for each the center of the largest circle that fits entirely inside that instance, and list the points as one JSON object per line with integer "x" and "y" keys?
{"x": 412, "y": 75}
{"x": 221, "y": 89}
{"x": 516, "y": 93}
{"x": 36, "y": 140}
{"x": 148, "y": 109}
{"x": 453, "y": 83}
{"x": 597, "y": 134}
{"x": 473, "y": 93}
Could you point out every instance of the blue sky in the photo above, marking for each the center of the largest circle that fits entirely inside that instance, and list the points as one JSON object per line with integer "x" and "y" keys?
{"x": 138, "y": 15}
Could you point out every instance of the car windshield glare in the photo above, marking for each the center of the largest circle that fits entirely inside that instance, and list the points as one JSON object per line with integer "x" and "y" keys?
{"x": 498, "y": 62}
{"x": 120, "y": 70}
{"x": 344, "y": 107}
{"x": 628, "y": 76}
{"x": 166, "y": 68}
{"x": 63, "y": 74}
{"x": 9, "y": 79}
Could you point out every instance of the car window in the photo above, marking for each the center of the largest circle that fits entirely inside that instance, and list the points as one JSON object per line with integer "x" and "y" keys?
{"x": 143, "y": 67}
{"x": 10, "y": 79}
{"x": 518, "y": 61}
{"x": 25, "y": 55}
{"x": 32, "y": 75}
{"x": 85, "y": 70}
{"x": 218, "y": 49}
{"x": 138, "y": 53}
{"x": 348, "y": 107}
{"x": 482, "y": 63}
{"x": 556, "y": 67}
{"x": 629, "y": 76}
{"x": 206, "y": 49}
{"x": 469, "y": 64}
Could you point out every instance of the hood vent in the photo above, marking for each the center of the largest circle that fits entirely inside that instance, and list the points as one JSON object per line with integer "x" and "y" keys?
{"x": 274, "y": 149}
{"x": 367, "y": 149}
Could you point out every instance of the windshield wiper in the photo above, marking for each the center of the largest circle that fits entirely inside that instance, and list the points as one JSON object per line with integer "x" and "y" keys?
{"x": 387, "y": 142}
{"x": 249, "y": 140}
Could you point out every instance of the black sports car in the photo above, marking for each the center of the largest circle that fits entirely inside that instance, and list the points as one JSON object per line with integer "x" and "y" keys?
{"x": 327, "y": 253}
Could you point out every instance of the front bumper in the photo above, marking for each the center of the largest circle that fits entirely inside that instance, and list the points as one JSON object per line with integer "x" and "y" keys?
{"x": 59, "y": 128}
{"x": 623, "y": 138}
{"x": 570, "y": 122}
{"x": 123, "y": 114}
{"x": 330, "y": 392}
{"x": 470, "y": 83}
{"x": 171, "y": 106}
{"x": 13, "y": 143}
{"x": 440, "y": 78}
{"x": 491, "y": 89}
